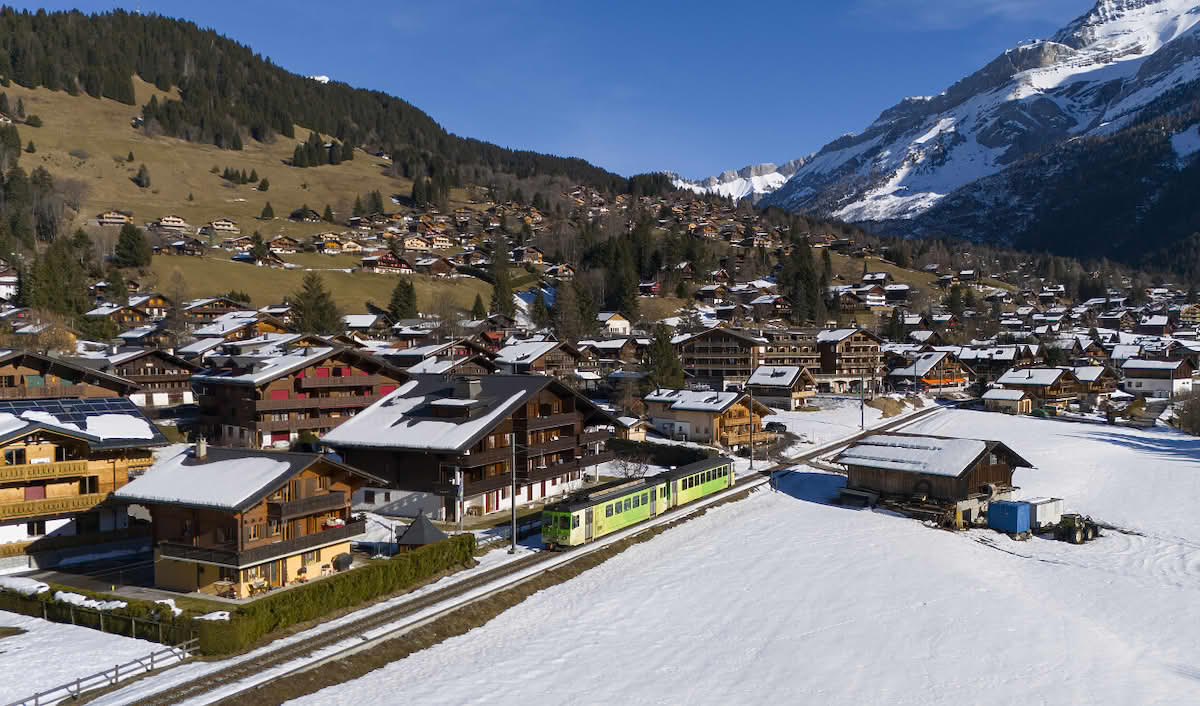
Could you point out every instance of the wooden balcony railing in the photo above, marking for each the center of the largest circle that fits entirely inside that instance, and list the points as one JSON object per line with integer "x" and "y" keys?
{"x": 42, "y": 471}
{"x": 481, "y": 458}
{"x": 300, "y": 424}
{"x": 309, "y": 383}
{"x": 228, "y": 555}
{"x": 548, "y": 422}
{"x": 306, "y": 506}
{"x": 51, "y": 506}
{"x": 594, "y": 436}
{"x": 356, "y": 401}
{"x": 24, "y": 392}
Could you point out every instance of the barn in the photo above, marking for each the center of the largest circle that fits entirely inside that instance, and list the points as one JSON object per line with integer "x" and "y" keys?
{"x": 965, "y": 472}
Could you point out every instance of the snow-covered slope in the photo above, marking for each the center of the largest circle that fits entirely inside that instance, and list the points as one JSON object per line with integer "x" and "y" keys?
{"x": 1096, "y": 76}
{"x": 751, "y": 182}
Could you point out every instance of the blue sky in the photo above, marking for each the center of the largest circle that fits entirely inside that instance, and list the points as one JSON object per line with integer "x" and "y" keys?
{"x": 694, "y": 87}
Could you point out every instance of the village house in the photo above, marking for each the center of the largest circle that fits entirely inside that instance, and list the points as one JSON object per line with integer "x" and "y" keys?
{"x": 165, "y": 379}
{"x": 1157, "y": 378}
{"x": 221, "y": 226}
{"x": 155, "y": 305}
{"x": 238, "y": 522}
{"x": 125, "y": 317}
{"x": 998, "y": 399}
{"x": 262, "y": 401}
{"x": 935, "y": 371}
{"x": 614, "y": 324}
{"x": 386, "y": 264}
{"x": 171, "y": 224}
{"x": 63, "y": 458}
{"x": 964, "y": 473}
{"x": 482, "y": 428}
{"x": 114, "y": 218}
{"x": 283, "y": 245}
{"x": 553, "y": 358}
{"x": 416, "y": 243}
{"x": 186, "y": 246}
{"x": 782, "y": 386}
{"x": 1049, "y": 387}
{"x": 25, "y": 375}
{"x": 723, "y": 418}
{"x": 203, "y": 311}
{"x": 720, "y": 357}
{"x": 1097, "y": 383}
{"x": 436, "y": 266}
{"x": 850, "y": 359}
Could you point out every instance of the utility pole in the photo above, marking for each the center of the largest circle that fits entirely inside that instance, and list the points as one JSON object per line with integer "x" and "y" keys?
{"x": 458, "y": 482}
{"x": 862, "y": 402}
{"x": 751, "y": 429}
{"x": 512, "y": 497}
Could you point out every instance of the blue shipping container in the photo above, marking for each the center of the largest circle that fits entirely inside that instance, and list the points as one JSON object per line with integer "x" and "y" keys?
{"x": 1008, "y": 516}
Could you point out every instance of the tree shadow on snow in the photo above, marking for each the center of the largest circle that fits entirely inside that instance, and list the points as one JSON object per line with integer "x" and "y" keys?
{"x": 1171, "y": 447}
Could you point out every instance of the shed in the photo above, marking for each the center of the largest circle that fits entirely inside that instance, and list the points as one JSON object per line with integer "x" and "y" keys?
{"x": 942, "y": 468}
{"x": 420, "y": 533}
{"x": 1011, "y": 401}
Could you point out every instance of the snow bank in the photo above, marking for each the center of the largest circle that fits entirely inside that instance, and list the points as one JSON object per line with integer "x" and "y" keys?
{"x": 85, "y": 602}
{"x": 24, "y": 586}
{"x": 215, "y": 615}
{"x": 170, "y": 603}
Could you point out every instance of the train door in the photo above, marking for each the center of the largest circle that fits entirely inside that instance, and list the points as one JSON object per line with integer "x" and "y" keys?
{"x": 653, "y": 502}
{"x": 587, "y": 523}
{"x": 674, "y": 494}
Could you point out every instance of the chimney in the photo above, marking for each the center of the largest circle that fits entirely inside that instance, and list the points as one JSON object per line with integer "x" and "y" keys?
{"x": 468, "y": 388}
{"x": 201, "y": 452}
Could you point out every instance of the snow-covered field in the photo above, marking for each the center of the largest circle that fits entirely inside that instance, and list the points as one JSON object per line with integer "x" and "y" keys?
{"x": 50, "y": 654}
{"x": 784, "y": 598}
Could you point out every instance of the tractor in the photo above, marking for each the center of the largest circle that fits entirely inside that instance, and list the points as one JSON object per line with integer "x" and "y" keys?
{"x": 1077, "y": 529}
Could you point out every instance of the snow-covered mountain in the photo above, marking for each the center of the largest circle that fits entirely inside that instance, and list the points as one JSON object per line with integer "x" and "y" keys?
{"x": 990, "y": 140}
{"x": 751, "y": 182}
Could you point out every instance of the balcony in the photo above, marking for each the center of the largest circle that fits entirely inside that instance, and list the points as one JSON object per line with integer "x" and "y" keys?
{"x": 24, "y": 392}
{"x": 594, "y": 436}
{"x": 564, "y": 443}
{"x": 300, "y": 424}
{"x": 549, "y": 422}
{"x": 356, "y": 401}
{"x": 307, "y": 383}
{"x": 51, "y": 506}
{"x": 481, "y": 458}
{"x": 228, "y": 555}
{"x": 306, "y": 506}
{"x": 42, "y": 471}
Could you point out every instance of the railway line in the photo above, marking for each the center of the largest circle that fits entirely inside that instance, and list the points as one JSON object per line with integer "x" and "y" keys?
{"x": 215, "y": 686}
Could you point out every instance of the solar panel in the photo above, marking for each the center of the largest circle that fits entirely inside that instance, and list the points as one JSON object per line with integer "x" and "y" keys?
{"x": 76, "y": 410}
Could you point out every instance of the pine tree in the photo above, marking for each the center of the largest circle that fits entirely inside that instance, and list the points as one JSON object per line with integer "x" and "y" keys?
{"x": 30, "y": 148}
{"x": 502, "y": 293}
{"x": 403, "y": 304}
{"x": 130, "y": 157}
{"x": 116, "y": 291}
{"x": 267, "y": 213}
{"x": 253, "y": 176}
{"x": 327, "y": 216}
{"x": 665, "y": 369}
{"x": 895, "y": 328}
{"x": 539, "y": 313}
{"x": 566, "y": 313}
{"x": 143, "y": 177}
{"x": 264, "y": 184}
{"x": 132, "y": 248}
{"x": 358, "y": 207}
{"x": 478, "y": 312}
{"x": 314, "y": 307}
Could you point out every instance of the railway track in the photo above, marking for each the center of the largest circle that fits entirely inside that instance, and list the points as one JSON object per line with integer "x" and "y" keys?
{"x": 245, "y": 669}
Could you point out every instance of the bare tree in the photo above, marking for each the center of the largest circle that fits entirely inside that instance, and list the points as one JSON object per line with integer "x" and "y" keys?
{"x": 631, "y": 467}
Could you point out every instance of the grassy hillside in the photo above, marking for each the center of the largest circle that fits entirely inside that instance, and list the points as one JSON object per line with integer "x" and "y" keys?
{"x": 98, "y": 131}
{"x": 210, "y": 276}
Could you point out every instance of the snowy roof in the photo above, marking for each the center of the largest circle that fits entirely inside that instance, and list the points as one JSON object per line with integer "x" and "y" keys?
{"x": 204, "y": 345}
{"x": 434, "y": 366}
{"x": 519, "y": 353}
{"x": 403, "y": 418}
{"x": 106, "y": 422}
{"x": 998, "y": 394}
{"x": 359, "y": 320}
{"x": 270, "y": 367}
{"x": 1154, "y": 321}
{"x": 606, "y": 315}
{"x": 1138, "y": 364}
{"x": 836, "y": 335}
{"x": 775, "y": 375}
{"x": 139, "y": 332}
{"x": 921, "y": 366}
{"x": 1088, "y": 373}
{"x": 914, "y": 454}
{"x": 920, "y": 336}
{"x": 694, "y": 400}
{"x": 992, "y": 353}
{"x": 227, "y": 479}
{"x": 105, "y": 310}
{"x": 1042, "y": 377}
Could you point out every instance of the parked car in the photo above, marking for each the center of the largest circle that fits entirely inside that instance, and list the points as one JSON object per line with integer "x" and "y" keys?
{"x": 775, "y": 426}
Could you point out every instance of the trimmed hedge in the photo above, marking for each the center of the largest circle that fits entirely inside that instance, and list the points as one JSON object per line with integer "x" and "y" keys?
{"x": 249, "y": 623}
{"x": 665, "y": 455}
{"x": 134, "y": 620}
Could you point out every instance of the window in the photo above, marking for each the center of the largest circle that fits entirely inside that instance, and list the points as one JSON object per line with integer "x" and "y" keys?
{"x": 608, "y": 511}
{"x": 323, "y": 482}
{"x": 645, "y": 498}
{"x": 574, "y": 521}
{"x": 36, "y": 528}
{"x": 310, "y": 557}
{"x": 628, "y": 504}
{"x": 272, "y": 528}
{"x": 564, "y": 522}
{"x": 369, "y": 497}
{"x": 637, "y": 501}
{"x": 14, "y": 457}
{"x": 89, "y": 485}
{"x": 252, "y": 532}
{"x": 387, "y": 497}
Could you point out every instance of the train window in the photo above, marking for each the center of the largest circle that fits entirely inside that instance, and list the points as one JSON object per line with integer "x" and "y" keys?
{"x": 574, "y": 521}
{"x": 637, "y": 501}
{"x": 564, "y": 522}
{"x": 608, "y": 510}
{"x": 645, "y": 499}
{"x": 628, "y": 504}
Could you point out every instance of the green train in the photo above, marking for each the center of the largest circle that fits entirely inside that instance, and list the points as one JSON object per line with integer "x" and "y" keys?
{"x": 611, "y": 507}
